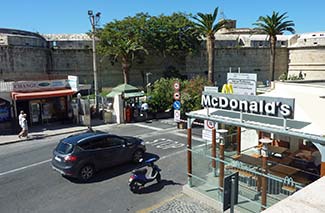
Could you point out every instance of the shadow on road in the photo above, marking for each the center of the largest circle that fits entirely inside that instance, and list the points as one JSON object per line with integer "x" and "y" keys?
{"x": 114, "y": 171}
{"x": 157, "y": 186}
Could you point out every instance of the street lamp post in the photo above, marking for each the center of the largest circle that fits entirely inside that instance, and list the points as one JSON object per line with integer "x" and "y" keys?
{"x": 147, "y": 74}
{"x": 94, "y": 19}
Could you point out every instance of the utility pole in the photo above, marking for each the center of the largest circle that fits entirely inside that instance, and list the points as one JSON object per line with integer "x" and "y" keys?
{"x": 94, "y": 19}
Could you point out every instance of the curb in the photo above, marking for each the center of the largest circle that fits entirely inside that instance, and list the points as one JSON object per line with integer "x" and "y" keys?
{"x": 48, "y": 135}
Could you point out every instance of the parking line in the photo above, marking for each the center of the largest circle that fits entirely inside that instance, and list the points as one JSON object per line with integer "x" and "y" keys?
{"x": 24, "y": 167}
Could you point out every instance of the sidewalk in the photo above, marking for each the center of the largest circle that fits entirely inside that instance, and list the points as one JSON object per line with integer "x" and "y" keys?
{"x": 180, "y": 203}
{"x": 46, "y": 130}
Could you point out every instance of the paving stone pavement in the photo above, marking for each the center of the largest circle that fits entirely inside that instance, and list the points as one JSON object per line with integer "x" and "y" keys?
{"x": 184, "y": 204}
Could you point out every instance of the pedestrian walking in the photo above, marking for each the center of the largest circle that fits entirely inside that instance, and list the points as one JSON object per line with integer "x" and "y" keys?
{"x": 144, "y": 109}
{"x": 24, "y": 126}
{"x": 20, "y": 117}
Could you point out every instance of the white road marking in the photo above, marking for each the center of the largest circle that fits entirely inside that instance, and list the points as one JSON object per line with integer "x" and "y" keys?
{"x": 163, "y": 143}
{"x": 148, "y": 127}
{"x": 24, "y": 167}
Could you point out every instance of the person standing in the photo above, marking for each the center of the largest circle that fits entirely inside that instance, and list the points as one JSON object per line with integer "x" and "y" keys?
{"x": 24, "y": 126}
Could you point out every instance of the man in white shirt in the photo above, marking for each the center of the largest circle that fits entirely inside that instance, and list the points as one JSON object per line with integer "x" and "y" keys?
{"x": 20, "y": 118}
{"x": 24, "y": 126}
{"x": 144, "y": 109}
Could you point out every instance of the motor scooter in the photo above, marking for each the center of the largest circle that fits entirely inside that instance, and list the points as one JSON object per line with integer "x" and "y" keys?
{"x": 140, "y": 177}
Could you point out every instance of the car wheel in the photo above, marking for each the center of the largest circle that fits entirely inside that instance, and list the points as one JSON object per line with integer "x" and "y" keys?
{"x": 138, "y": 154}
{"x": 86, "y": 172}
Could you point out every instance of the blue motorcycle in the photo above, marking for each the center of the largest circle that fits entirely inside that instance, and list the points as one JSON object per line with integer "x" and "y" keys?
{"x": 140, "y": 177}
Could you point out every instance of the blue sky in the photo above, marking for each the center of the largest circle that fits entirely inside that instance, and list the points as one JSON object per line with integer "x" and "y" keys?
{"x": 70, "y": 16}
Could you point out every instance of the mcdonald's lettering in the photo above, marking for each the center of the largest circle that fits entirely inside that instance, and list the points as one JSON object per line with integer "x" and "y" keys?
{"x": 259, "y": 106}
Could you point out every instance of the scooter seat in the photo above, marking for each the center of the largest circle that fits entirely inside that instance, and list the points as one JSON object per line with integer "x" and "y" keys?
{"x": 140, "y": 171}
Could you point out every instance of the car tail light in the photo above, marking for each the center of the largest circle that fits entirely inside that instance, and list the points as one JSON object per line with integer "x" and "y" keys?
{"x": 70, "y": 158}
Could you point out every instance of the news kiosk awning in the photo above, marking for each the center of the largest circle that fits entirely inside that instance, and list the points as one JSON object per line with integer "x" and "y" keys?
{"x": 41, "y": 94}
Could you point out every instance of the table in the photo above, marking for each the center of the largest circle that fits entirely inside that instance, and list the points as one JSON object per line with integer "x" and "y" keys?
{"x": 249, "y": 160}
{"x": 277, "y": 149}
{"x": 283, "y": 170}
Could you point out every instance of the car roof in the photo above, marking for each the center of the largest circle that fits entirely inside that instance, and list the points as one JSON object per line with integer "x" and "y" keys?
{"x": 74, "y": 139}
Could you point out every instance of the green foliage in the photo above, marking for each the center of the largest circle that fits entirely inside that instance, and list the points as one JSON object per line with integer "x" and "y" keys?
{"x": 171, "y": 35}
{"x": 191, "y": 93}
{"x": 171, "y": 72}
{"x": 122, "y": 41}
{"x": 126, "y": 41}
{"x": 283, "y": 76}
{"x": 272, "y": 26}
{"x": 295, "y": 77}
{"x": 275, "y": 24}
{"x": 161, "y": 95}
{"x": 207, "y": 25}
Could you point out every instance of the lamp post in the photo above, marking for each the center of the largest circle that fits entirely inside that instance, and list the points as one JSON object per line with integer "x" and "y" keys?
{"x": 94, "y": 19}
{"x": 147, "y": 74}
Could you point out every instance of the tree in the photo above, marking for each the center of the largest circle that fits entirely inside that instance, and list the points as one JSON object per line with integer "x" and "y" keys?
{"x": 130, "y": 38}
{"x": 122, "y": 41}
{"x": 273, "y": 26}
{"x": 173, "y": 35}
{"x": 206, "y": 26}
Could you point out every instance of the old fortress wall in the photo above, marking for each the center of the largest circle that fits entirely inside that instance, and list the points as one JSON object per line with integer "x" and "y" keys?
{"x": 29, "y": 56}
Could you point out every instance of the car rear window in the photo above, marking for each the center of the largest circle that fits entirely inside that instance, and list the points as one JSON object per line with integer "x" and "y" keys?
{"x": 64, "y": 148}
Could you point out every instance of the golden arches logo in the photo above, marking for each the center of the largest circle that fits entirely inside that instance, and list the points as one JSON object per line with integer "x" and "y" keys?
{"x": 227, "y": 88}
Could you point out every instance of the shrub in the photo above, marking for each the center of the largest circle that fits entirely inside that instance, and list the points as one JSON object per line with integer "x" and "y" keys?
{"x": 161, "y": 95}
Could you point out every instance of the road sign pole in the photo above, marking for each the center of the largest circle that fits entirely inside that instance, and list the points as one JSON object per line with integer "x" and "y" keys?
{"x": 232, "y": 194}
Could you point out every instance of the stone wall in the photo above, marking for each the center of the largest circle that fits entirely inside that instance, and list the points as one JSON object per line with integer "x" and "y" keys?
{"x": 308, "y": 60}
{"x": 250, "y": 60}
{"x": 22, "y": 63}
{"x": 111, "y": 75}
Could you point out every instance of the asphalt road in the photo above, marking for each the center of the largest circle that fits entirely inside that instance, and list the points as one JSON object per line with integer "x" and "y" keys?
{"x": 28, "y": 183}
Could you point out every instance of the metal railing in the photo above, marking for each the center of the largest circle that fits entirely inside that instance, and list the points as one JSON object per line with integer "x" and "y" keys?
{"x": 205, "y": 179}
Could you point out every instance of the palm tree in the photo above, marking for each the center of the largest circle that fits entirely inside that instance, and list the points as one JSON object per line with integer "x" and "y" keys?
{"x": 206, "y": 26}
{"x": 125, "y": 52}
{"x": 272, "y": 26}
{"x": 122, "y": 50}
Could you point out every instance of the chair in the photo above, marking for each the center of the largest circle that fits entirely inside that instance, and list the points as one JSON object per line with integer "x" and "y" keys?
{"x": 289, "y": 186}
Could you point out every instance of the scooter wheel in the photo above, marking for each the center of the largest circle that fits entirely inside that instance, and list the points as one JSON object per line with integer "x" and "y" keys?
{"x": 134, "y": 187}
{"x": 158, "y": 178}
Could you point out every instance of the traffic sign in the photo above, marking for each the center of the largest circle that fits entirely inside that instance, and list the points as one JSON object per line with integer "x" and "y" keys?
{"x": 177, "y": 96}
{"x": 209, "y": 125}
{"x": 176, "y": 86}
{"x": 177, "y": 115}
{"x": 177, "y": 105}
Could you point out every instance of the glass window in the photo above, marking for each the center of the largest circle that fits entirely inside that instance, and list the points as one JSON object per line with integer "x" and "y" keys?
{"x": 64, "y": 148}
{"x": 92, "y": 144}
{"x": 113, "y": 141}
